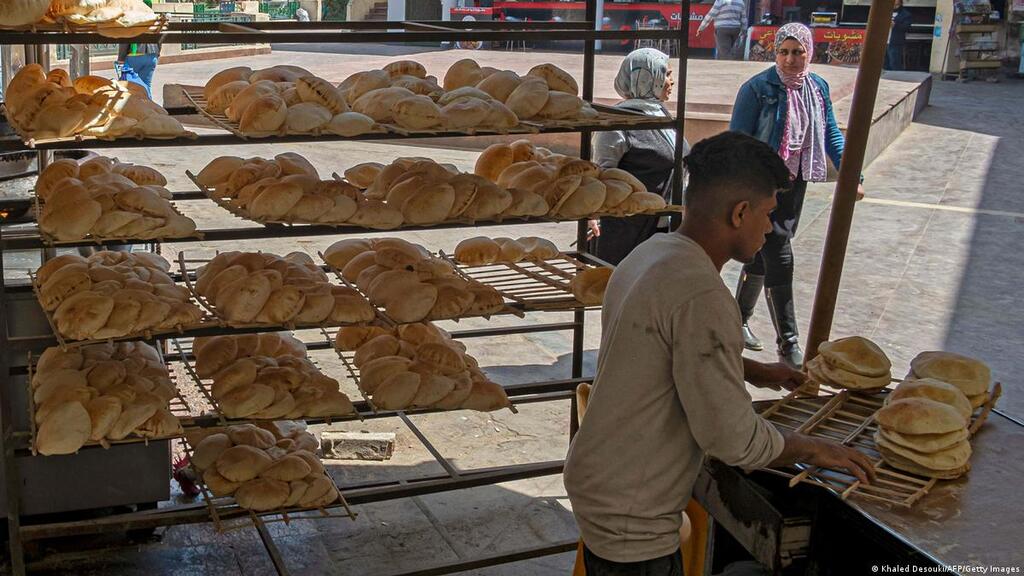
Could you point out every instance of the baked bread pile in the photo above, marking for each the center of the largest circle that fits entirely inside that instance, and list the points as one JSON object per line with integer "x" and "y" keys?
{"x": 404, "y": 95}
{"x": 971, "y": 376}
{"x": 14, "y": 13}
{"x": 112, "y": 295}
{"x": 282, "y": 100}
{"x": 267, "y": 376}
{"x": 107, "y": 199}
{"x": 419, "y": 191}
{"x": 288, "y": 188}
{"x": 262, "y": 288}
{"x": 588, "y": 286}
{"x": 408, "y": 282}
{"x": 100, "y": 393}
{"x": 854, "y": 363}
{"x": 571, "y": 188}
{"x": 262, "y": 470}
{"x": 50, "y": 105}
{"x": 418, "y": 366}
{"x": 923, "y": 429}
{"x": 546, "y": 92}
{"x": 123, "y": 13}
{"x": 481, "y": 250}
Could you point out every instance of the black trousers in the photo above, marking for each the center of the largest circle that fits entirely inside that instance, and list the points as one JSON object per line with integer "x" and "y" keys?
{"x": 775, "y": 260}
{"x": 671, "y": 565}
{"x": 620, "y": 235}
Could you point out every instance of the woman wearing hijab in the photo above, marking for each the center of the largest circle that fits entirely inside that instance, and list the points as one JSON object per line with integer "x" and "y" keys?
{"x": 788, "y": 107}
{"x": 644, "y": 82}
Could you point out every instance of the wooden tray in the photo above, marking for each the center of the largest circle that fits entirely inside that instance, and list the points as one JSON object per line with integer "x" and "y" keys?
{"x": 533, "y": 285}
{"x": 849, "y": 418}
{"x": 226, "y": 515}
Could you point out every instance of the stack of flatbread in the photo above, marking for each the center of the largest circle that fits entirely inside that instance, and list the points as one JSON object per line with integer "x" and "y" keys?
{"x": 404, "y": 95}
{"x": 972, "y": 376}
{"x": 100, "y": 393}
{"x": 262, "y": 470}
{"x": 481, "y": 250}
{"x": 923, "y": 428}
{"x": 288, "y": 188}
{"x": 123, "y": 14}
{"x": 410, "y": 283}
{"x": 546, "y": 92}
{"x": 267, "y": 376}
{"x": 107, "y": 199}
{"x": 116, "y": 14}
{"x": 112, "y": 295}
{"x": 282, "y": 100}
{"x": 571, "y": 188}
{"x": 263, "y": 288}
{"x": 42, "y": 105}
{"x": 854, "y": 363}
{"x": 419, "y": 366}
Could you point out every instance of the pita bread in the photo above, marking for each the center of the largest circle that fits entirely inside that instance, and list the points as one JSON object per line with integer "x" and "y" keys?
{"x": 934, "y": 390}
{"x": 926, "y": 443}
{"x": 907, "y": 465}
{"x": 970, "y": 375}
{"x": 837, "y": 377}
{"x": 947, "y": 459}
{"x": 919, "y": 416}
{"x": 856, "y": 354}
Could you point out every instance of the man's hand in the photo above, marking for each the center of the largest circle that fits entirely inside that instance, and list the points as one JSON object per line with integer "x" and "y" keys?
{"x": 860, "y": 192}
{"x": 773, "y": 376}
{"x": 593, "y": 229}
{"x": 804, "y": 449}
{"x": 828, "y": 454}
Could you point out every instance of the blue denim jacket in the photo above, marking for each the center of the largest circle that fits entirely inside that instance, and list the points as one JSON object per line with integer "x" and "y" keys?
{"x": 760, "y": 110}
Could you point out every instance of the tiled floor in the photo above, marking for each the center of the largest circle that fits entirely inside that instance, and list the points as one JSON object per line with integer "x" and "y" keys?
{"x": 934, "y": 262}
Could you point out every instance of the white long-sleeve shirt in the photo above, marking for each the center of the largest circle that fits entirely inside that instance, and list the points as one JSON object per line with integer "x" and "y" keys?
{"x": 669, "y": 389}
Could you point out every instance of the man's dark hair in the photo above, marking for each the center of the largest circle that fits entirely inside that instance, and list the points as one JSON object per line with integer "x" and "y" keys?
{"x": 731, "y": 167}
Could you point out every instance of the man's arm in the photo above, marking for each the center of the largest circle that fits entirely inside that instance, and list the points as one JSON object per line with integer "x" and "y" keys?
{"x": 707, "y": 367}
{"x": 710, "y": 16}
{"x": 774, "y": 376}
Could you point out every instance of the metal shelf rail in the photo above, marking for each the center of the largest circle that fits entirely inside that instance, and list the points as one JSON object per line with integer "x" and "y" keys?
{"x": 27, "y": 529}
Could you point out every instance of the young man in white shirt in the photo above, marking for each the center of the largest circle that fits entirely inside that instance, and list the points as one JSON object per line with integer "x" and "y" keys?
{"x": 670, "y": 377}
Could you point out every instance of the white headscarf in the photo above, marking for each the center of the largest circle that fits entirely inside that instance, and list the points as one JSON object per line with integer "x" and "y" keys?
{"x": 642, "y": 75}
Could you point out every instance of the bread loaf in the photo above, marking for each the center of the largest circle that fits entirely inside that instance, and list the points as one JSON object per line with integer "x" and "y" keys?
{"x": 418, "y": 113}
{"x": 362, "y": 82}
{"x": 529, "y": 98}
{"x": 265, "y": 115}
{"x": 465, "y": 72}
{"x": 379, "y": 104}
{"x": 588, "y": 286}
{"x": 322, "y": 92}
{"x": 555, "y": 78}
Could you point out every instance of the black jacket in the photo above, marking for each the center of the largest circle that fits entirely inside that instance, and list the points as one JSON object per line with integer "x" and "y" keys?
{"x": 901, "y": 22}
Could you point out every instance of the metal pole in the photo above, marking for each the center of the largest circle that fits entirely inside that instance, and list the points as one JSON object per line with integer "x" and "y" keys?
{"x": 680, "y": 75}
{"x": 841, "y": 218}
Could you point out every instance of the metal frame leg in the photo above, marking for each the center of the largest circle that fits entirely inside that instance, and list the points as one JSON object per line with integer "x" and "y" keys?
{"x": 12, "y": 478}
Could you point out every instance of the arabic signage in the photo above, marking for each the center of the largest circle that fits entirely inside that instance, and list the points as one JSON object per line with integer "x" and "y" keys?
{"x": 831, "y": 45}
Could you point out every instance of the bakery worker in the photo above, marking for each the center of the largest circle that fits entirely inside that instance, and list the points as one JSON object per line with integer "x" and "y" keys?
{"x": 901, "y": 21}
{"x": 644, "y": 82}
{"x": 670, "y": 377}
{"x": 141, "y": 58}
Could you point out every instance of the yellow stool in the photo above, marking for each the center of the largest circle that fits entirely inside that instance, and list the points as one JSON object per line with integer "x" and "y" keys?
{"x": 693, "y": 534}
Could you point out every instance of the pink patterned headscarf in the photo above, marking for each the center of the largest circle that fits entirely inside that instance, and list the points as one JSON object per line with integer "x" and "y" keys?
{"x": 803, "y": 35}
{"x": 803, "y": 137}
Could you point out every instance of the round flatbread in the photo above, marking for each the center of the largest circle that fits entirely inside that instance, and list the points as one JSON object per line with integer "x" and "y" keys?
{"x": 856, "y": 354}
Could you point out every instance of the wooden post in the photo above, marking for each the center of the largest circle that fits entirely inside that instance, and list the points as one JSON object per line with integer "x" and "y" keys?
{"x": 859, "y": 126}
